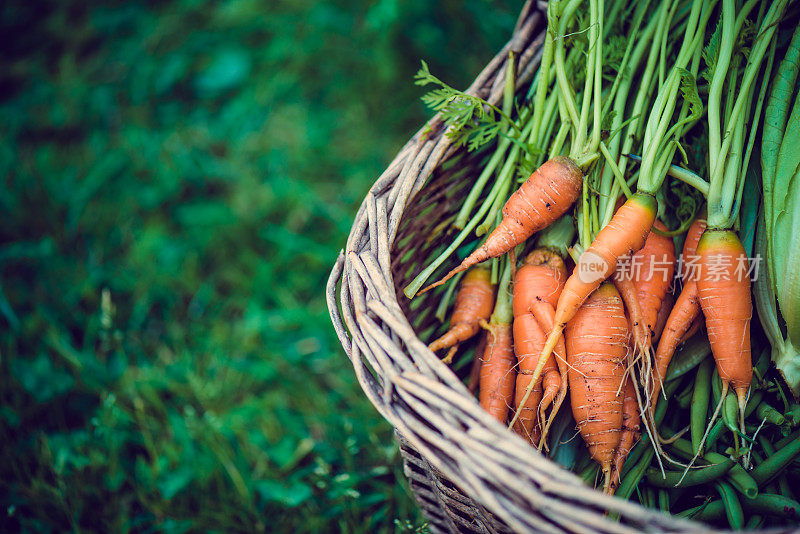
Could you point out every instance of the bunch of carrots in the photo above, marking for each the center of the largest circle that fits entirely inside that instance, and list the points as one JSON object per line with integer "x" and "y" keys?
{"x": 612, "y": 232}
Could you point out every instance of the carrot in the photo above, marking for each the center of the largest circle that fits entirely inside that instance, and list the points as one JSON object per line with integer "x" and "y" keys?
{"x": 723, "y": 287}
{"x": 528, "y": 341}
{"x": 630, "y": 432}
{"x": 497, "y": 375}
{"x": 623, "y": 281}
{"x": 497, "y": 379}
{"x": 653, "y": 268}
{"x": 663, "y": 314}
{"x": 537, "y": 286}
{"x": 546, "y": 195}
{"x": 624, "y": 234}
{"x": 473, "y": 303}
{"x": 683, "y": 315}
{"x": 596, "y": 339}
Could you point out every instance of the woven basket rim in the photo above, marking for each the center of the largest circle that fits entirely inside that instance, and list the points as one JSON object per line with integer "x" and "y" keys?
{"x": 419, "y": 395}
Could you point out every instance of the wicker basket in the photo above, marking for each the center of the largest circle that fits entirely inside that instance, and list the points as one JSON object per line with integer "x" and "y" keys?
{"x": 468, "y": 472}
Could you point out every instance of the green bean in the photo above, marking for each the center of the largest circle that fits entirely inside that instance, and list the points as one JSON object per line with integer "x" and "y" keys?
{"x": 663, "y": 500}
{"x": 785, "y": 488}
{"x": 632, "y": 479}
{"x": 700, "y": 397}
{"x": 767, "y": 504}
{"x": 730, "y": 412}
{"x": 794, "y": 436}
{"x": 738, "y": 477}
{"x": 648, "y": 498}
{"x": 766, "y": 445}
{"x": 694, "y": 477}
{"x": 684, "y": 399}
{"x": 793, "y": 414}
{"x": 754, "y": 523}
{"x": 753, "y": 402}
{"x": 716, "y": 386}
{"x": 776, "y": 505}
{"x": 709, "y": 511}
{"x": 589, "y": 475}
{"x": 733, "y": 509}
{"x": 772, "y": 466}
{"x": 691, "y": 354}
{"x": 635, "y": 454}
{"x": 783, "y": 483}
{"x": 714, "y": 434}
{"x": 763, "y": 361}
{"x": 765, "y": 411}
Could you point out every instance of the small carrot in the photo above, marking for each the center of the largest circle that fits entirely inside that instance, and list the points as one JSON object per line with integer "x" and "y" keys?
{"x": 624, "y": 234}
{"x": 537, "y": 285}
{"x": 497, "y": 376}
{"x": 630, "y": 432}
{"x": 546, "y": 195}
{"x": 663, "y": 314}
{"x": 684, "y": 313}
{"x": 473, "y": 304}
{"x": 596, "y": 339}
{"x": 623, "y": 281}
{"x": 653, "y": 268}
{"x": 528, "y": 342}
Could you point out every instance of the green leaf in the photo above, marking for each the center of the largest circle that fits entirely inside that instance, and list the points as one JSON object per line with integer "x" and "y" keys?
{"x": 711, "y": 52}
{"x": 227, "y": 70}
{"x": 174, "y": 481}
{"x": 40, "y": 378}
{"x": 691, "y": 95}
{"x": 291, "y": 494}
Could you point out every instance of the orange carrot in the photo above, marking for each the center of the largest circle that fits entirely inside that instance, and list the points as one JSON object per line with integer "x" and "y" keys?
{"x": 596, "y": 339}
{"x": 653, "y": 268}
{"x": 473, "y": 303}
{"x": 497, "y": 380}
{"x": 528, "y": 342}
{"x": 683, "y": 315}
{"x": 663, "y": 314}
{"x": 546, "y": 195}
{"x": 624, "y": 234}
{"x": 630, "y": 432}
{"x": 537, "y": 285}
{"x": 723, "y": 286}
{"x": 498, "y": 375}
{"x": 623, "y": 281}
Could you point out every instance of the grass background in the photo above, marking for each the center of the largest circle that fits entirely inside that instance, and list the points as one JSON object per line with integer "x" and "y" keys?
{"x": 177, "y": 181}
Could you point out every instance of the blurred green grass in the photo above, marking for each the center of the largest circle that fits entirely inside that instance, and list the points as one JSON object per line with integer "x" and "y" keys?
{"x": 177, "y": 181}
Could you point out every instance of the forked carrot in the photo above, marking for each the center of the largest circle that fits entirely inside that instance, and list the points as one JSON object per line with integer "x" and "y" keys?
{"x": 723, "y": 287}
{"x": 537, "y": 286}
{"x": 597, "y": 344}
{"x": 684, "y": 313}
{"x": 473, "y": 304}
{"x": 546, "y": 195}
